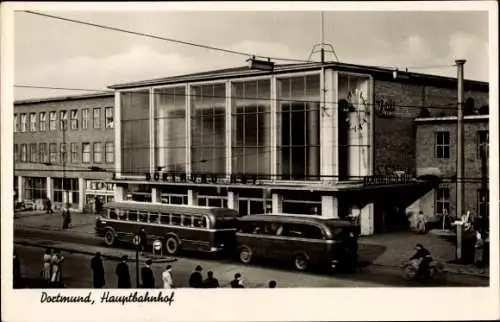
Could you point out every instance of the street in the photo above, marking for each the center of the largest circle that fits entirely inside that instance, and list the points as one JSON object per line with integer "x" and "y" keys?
{"x": 77, "y": 272}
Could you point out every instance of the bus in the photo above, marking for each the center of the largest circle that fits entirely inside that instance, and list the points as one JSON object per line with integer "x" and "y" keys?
{"x": 301, "y": 240}
{"x": 178, "y": 227}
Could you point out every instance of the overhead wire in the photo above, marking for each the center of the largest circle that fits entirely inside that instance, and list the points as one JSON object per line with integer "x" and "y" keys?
{"x": 148, "y": 35}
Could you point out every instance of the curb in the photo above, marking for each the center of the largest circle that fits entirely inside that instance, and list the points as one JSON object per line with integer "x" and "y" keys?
{"x": 111, "y": 257}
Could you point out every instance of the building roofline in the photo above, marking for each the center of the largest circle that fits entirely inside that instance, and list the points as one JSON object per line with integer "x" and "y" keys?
{"x": 244, "y": 71}
{"x": 452, "y": 118}
{"x": 62, "y": 98}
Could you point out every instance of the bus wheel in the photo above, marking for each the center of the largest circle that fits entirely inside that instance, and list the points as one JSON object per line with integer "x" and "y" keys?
{"x": 300, "y": 262}
{"x": 172, "y": 245}
{"x": 245, "y": 255}
{"x": 109, "y": 237}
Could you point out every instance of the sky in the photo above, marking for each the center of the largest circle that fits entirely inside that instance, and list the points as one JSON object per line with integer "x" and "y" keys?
{"x": 56, "y": 53}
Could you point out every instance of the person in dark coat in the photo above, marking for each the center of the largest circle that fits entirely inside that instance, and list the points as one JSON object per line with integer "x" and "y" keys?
{"x": 17, "y": 272}
{"x": 123, "y": 273}
{"x": 49, "y": 207}
{"x": 272, "y": 284}
{"x": 211, "y": 281}
{"x": 98, "y": 271}
{"x": 148, "y": 278}
{"x": 143, "y": 240}
{"x": 425, "y": 258}
{"x": 196, "y": 280}
{"x": 98, "y": 205}
{"x": 237, "y": 283}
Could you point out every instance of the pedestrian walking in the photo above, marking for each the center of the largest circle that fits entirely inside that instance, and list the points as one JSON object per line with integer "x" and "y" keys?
{"x": 143, "y": 240}
{"x": 16, "y": 277}
{"x": 166, "y": 276}
{"x": 237, "y": 282}
{"x": 479, "y": 250}
{"x": 97, "y": 271}
{"x": 421, "y": 223}
{"x": 123, "y": 273}
{"x": 57, "y": 272}
{"x": 66, "y": 217}
{"x": 49, "y": 207}
{"x": 97, "y": 205}
{"x": 47, "y": 266}
{"x": 196, "y": 280}
{"x": 210, "y": 281}
{"x": 148, "y": 278}
{"x": 272, "y": 284}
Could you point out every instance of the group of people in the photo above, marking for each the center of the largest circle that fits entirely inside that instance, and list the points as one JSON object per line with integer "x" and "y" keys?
{"x": 52, "y": 268}
{"x": 196, "y": 280}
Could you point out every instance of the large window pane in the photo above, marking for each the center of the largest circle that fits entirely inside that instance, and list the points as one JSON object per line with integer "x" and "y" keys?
{"x": 135, "y": 132}
{"x": 170, "y": 123}
{"x": 251, "y": 125}
{"x": 298, "y": 128}
{"x": 208, "y": 131}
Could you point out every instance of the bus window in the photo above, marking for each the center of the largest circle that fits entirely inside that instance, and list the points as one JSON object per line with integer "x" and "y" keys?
{"x": 176, "y": 220}
{"x": 165, "y": 219}
{"x": 132, "y": 215}
{"x": 112, "y": 214}
{"x": 187, "y": 221}
{"x": 143, "y": 216}
{"x": 153, "y": 218}
{"x": 200, "y": 222}
{"x": 122, "y": 214}
{"x": 302, "y": 231}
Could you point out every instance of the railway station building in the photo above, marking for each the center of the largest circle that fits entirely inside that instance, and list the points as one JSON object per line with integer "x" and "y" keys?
{"x": 327, "y": 140}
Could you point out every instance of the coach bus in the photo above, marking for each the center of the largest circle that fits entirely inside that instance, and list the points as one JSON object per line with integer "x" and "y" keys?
{"x": 178, "y": 227}
{"x": 302, "y": 240}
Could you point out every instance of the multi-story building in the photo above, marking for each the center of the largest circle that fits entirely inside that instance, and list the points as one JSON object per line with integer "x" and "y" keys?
{"x": 437, "y": 153}
{"x": 322, "y": 139}
{"x": 64, "y": 149}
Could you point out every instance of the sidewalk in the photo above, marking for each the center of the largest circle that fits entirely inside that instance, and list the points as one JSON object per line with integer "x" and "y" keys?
{"x": 81, "y": 223}
{"x": 393, "y": 248}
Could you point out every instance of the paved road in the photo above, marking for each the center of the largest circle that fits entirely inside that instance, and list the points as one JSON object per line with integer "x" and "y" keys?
{"x": 78, "y": 273}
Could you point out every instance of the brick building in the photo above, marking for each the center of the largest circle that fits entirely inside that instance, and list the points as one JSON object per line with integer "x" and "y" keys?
{"x": 436, "y": 152}
{"x": 64, "y": 144}
{"x": 320, "y": 139}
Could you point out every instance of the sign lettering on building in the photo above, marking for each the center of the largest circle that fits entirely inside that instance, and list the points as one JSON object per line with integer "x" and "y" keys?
{"x": 385, "y": 107}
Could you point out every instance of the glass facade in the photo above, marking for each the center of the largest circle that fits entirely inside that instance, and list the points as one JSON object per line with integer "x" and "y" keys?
{"x": 170, "y": 125}
{"x": 251, "y": 128}
{"x": 208, "y": 132}
{"x": 135, "y": 142}
{"x": 292, "y": 134}
{"x": 70, "y": 185}
{"x": 298, "y": 128}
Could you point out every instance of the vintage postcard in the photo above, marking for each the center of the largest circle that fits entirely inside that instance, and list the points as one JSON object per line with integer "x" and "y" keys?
{"x": 156, "y": 156}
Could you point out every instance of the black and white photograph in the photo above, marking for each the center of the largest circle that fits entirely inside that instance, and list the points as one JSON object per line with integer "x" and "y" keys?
{"x": 279, "y": 146}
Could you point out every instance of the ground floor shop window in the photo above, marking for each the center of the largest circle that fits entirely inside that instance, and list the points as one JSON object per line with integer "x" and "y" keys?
{"x": 71, "y": 186}
{"x": 251, "y": 206}
{"x": 301, "y": 207}
{"x": 212, "y": 201}
{"x": 35, "y": 188}
{"x": 174, "y": 199}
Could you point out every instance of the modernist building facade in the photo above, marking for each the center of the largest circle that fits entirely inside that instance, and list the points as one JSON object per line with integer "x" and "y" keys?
{"x": 64, "y": 149}
{"x": 319, "y": 139}
{"x": 436, "y": 152}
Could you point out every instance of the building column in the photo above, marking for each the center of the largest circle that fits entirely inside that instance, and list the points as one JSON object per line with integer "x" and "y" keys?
{"x": 119, "y": 193}
{"x": 275, "y": 126}
{"x": 328, "y": 126}
{"x": 82, "y": 187}
{"x": 367, "y": 220}
{"x": 277, "y": 200}
{"x": 329, "y": 207}
{"x": 192, "y": 197}
{"x": 20, "y": 188}
{"x": 50, "y": 189}
{"x": 228, "y": 130}
{"x": 155, "y": 195}
{"x": 152, "y": 132}
{"x": 233, "y": 201}
{"x": 188, "y": 131}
